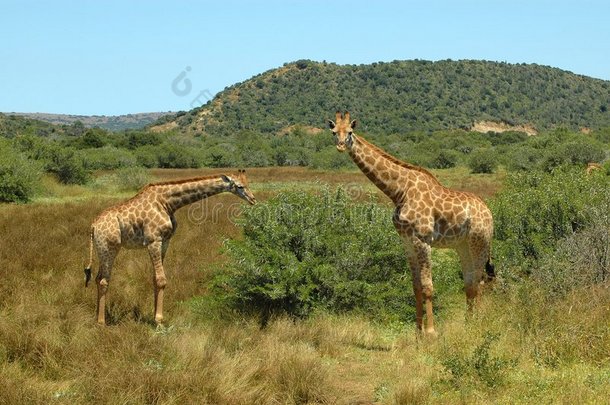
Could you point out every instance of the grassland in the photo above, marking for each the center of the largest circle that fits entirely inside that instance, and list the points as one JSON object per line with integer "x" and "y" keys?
{"x": 515, "y": 349}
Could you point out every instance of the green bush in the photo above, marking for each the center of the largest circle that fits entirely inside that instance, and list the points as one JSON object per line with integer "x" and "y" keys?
{"x": 483, "y": 161}
{"x": 303, "y": 252}
{"x": 107, "y": 157}
{"x": 536, "y": 210}
{"x": 68, "y": 166}
{"x": 578, "y": 152}
{"x": 445, "y": 159}
{"x": 124, "y": 179}
{"x": 65, "y": 162}
{"x": 19, "y": 176}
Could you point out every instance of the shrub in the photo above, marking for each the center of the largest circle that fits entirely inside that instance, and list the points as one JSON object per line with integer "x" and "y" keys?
{"x": 581, "y": 259}
{"x": 330, "y": 159}
{"x": 19, "y": 176}
{"x": 173, "y": 156}
{"x": 445, "y": 159}
{"x": 303, "y": 252}
{"x": 124, "y": 179}
{"x": 107, "y": 157}
{"x": 66, "y": 163}
{"x": 537, "y": 210}
{"x": 68, "y": 166}
{"x": 576, "y": 153}
{"x": 483, "y": 161}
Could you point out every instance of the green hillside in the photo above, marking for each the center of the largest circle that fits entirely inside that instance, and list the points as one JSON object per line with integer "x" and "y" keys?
{"x": 108, "y": 122}
{"x": 402, "y": 96}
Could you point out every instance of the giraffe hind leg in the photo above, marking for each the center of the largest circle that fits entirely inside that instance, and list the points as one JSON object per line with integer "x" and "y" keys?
{"x": 87, "y": 276}
{"x": 103, "y": 279}
{"x": 157, "y": 253}
{"x": 471, "y": 281}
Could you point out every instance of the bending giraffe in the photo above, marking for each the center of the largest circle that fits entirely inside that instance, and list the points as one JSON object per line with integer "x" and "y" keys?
{"x": 593, "y": 166}
{"x": 427, "y": 215}
{"x": 147, "y": 221}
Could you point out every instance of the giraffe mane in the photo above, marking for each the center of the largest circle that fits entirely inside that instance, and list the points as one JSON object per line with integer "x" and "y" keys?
{"x": 397, "y": 161}
{"x": 182, "y": 181}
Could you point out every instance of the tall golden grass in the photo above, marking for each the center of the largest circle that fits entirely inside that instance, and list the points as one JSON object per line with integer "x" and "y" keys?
{"x": 52, "y": 351}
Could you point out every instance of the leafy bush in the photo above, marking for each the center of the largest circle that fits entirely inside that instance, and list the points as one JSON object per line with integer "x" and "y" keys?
{"x": 581, "y": 259}
{"x": 303, "y": 252}
{"x": 483, "y": 161}
{"x": 65, "y": 162}
{"x": 19, "y": 176}
{"x": 576, "y": 153}
{"x": 537, "y": 210}
{"x": 445, "y": 159}
{"x": 108, "y": 157}
{"x": 68, "y": 166}
{"x": 124, "y": 179}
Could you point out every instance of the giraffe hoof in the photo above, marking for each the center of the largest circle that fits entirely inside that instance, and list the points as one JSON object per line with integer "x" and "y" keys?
{"x": 430, "y": 334}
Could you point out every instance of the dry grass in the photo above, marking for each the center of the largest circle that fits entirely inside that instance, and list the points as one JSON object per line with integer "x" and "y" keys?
{"x": 51, "y": 351}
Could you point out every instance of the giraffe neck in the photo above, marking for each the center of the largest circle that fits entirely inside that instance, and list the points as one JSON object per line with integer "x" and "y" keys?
{"x": 177, "y": 194}
{"x": 389, "y": 174}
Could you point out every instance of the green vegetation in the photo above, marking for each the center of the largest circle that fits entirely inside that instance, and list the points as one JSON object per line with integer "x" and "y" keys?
{"x": 405, "y": 96}
{"x": 19, "y": 176}
{"x": 322, "y": 267}
{"x": 110, "y": 123}
{"x": 554, "y": 227}
{"x": 303, "y": 252}
{"x": 538, "y": 337}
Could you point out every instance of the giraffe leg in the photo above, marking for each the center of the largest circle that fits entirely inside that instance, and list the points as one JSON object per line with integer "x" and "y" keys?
{"x": 417, "y": 291}
{"x": 155, "y": 250}
{"x": 468, "y": 274}
{"x": 421, "y": 271}
{"x": 473, "y": 258}
{"x": 103, "y": 279}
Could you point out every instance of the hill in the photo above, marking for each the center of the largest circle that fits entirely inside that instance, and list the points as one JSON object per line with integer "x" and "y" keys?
{"x": 111, "y": 123}
{"x": 403, "y": 96}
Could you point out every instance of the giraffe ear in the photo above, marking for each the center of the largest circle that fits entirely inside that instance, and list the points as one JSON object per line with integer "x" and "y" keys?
{"x": 353, "y": 124}
{"x": 331, "y": 124}
{"x": 226, "y": 179}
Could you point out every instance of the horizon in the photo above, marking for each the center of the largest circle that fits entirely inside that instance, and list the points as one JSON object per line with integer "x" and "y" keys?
{"x": 117, "y": 59}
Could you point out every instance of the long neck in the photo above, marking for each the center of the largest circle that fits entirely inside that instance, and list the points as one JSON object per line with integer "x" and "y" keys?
{"x": 390, "y": 175}
{"x": 176, "y": 195}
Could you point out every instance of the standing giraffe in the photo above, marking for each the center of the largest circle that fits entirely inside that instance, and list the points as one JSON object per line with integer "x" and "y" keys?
{"x": 147, "y": 221}
{"x": 427, "y": 215}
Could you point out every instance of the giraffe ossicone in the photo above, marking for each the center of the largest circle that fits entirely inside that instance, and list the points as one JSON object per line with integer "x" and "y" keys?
{"x": 147, "y": 221}
{"x": 426, "y": 215}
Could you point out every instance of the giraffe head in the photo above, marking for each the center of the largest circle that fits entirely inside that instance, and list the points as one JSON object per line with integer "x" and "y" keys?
{"x": 343, "y": 130}
{"x": 238, "y": 185}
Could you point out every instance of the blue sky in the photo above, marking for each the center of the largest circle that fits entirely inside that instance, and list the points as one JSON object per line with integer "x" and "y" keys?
{"x": 118, "y": 57}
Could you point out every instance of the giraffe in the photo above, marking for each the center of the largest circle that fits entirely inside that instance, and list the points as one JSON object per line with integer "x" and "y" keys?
{"x": 593, "y": 166}
{"x": 426, "y": 215}
{"x": 147, "y": 221}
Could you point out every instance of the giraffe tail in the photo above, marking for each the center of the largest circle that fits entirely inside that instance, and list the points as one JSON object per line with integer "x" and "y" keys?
{"x": 88, "y": 268}
{"x": 490, "y": 270}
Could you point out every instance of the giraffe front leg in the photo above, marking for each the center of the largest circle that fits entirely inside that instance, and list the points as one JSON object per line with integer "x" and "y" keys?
{"x": 421, "y": 271}
{"x": 156, "y": 252}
